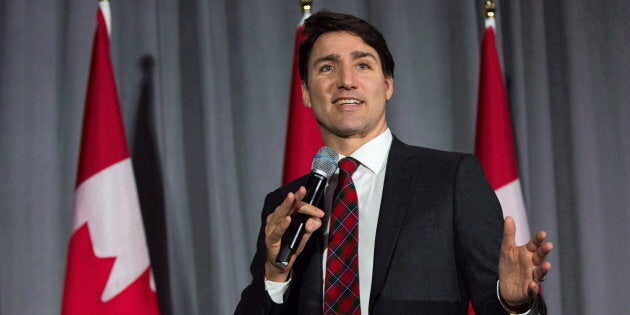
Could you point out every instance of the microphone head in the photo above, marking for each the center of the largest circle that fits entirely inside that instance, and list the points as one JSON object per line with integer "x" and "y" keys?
{"x": 325, "y": 162}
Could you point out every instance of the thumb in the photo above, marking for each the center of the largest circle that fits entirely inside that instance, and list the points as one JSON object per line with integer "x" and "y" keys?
{"x": 509, "y": 234}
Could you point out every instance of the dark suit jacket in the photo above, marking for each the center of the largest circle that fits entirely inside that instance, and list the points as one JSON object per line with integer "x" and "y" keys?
{"x": 437, "y": 242}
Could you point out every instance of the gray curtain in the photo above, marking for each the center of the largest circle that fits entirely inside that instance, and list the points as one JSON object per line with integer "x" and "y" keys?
{"x": 204, "y": 85}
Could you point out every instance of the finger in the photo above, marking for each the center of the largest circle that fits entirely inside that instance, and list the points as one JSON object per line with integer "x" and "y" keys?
{"x": 278, "y": 230}
{"x": 299, "y": 195}
{"x": 540, "y": 273}
{"x": 536, "y": 240}
{"x": 301, "y": 192}
{"x": 312, "y": 225}
{"x": 539, "y": 238}
{"x": 509, "y": 234}
{"x": 532, "y": 289}
{"x": 310, "y": 210}
{"x": 541, "y": 253}
{"x": 279, "y": 215}
{"x": 284, "y": 208}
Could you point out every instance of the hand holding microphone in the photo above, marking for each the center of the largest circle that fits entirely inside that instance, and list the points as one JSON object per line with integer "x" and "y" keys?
{"x": 284, "y": 234}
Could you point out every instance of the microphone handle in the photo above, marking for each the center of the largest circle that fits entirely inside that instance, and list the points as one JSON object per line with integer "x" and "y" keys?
{"x": 315, "y": 187}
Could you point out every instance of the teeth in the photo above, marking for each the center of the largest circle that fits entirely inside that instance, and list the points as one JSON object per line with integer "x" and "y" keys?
{"x": 348, "y": 101}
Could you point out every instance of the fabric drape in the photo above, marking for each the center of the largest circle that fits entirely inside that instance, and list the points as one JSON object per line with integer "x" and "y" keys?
{"x": 203, "y": 87}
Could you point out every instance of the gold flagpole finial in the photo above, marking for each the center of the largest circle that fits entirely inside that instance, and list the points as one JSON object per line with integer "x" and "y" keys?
{"x": 489, "y": 8}
{"x": 306, "y": 5}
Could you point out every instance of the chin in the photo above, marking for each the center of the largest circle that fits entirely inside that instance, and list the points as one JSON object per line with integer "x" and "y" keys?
{"x": 345, "y": 132}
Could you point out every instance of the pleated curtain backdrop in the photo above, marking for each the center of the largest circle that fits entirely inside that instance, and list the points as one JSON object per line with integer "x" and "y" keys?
{"x": 204, "y": 89}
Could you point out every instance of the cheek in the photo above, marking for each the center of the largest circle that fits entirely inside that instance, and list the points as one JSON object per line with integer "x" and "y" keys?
{"x": 318, "y": 95}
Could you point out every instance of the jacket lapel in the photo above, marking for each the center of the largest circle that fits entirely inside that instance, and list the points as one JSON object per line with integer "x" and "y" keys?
{"x": 394, "y": 203}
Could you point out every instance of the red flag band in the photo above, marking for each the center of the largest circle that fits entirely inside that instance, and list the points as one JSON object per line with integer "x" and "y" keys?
{"x": 303, "y": 137}
{"x": 494, "y": 145}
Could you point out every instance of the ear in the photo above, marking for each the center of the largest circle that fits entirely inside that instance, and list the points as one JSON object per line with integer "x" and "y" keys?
{"x": 389, "y": 83}
{"x": 306, "y": 98}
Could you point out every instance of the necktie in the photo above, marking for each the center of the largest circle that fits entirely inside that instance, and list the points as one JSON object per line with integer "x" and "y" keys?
{"x": 341, "y": 293}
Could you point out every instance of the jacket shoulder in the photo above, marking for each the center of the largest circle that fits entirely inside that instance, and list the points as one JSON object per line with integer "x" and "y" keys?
{"x": 402, "y": 154}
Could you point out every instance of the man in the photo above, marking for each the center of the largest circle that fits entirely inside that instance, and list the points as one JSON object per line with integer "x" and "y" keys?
{"x": 429, "y": 235}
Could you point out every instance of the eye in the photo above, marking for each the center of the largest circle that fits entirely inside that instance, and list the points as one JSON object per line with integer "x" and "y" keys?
{"x": 325, "y": 68}
{"x": 363, "y": 66}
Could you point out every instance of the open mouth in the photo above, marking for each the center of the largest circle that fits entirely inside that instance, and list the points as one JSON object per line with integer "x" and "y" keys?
{"x": 347, "y": 101}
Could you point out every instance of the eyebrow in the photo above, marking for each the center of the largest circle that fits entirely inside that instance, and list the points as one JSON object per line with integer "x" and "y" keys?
{"x": 361, "y": 54}
{"x": 355, "y": 55}
{"x": 331, "y": 57}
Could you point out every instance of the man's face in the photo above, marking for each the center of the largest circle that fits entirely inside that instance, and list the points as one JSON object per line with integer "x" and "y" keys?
{"x": 346, "y": 87}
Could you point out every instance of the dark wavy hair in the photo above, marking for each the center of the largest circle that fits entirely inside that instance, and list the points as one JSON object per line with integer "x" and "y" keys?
{"x": 326, "y": 21}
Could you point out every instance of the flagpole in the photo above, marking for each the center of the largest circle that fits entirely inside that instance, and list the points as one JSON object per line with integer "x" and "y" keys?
{"x": 306, "y": 6}
{"x": 489, "y": 8}
{"x": 489, "y": 11}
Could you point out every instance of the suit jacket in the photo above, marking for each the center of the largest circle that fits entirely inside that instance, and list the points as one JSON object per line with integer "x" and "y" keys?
{"x": 437, "y": 242}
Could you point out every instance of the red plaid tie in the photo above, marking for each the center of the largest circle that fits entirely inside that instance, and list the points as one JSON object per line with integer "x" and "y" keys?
{"x": 341, "y": 295}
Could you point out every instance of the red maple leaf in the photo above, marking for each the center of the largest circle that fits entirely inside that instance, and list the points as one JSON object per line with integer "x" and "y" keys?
{"x": 86, "y": 278}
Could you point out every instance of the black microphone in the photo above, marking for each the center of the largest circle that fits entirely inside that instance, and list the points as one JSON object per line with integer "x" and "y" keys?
{"x": 324, "y": 165}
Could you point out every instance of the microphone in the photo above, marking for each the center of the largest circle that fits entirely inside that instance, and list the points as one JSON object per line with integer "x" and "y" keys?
{"x": 324, "y": 165}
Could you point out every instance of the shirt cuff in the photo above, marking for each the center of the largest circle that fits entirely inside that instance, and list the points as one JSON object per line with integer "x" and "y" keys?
{"x": 531, "y": 311}
{"x": 276, "y": 290}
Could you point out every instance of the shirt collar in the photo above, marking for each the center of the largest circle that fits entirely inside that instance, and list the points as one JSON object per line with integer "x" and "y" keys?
{"x": 373, "y": 155}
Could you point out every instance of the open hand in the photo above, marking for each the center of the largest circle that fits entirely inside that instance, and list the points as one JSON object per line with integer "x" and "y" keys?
{"x": 522, "y": 268}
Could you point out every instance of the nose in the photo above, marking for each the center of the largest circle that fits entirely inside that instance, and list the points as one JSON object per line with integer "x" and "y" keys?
{"x": 346, "y": 78}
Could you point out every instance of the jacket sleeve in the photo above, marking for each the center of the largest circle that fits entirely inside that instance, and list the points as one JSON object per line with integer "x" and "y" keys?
{"x": 479, "y": 231}
{"x": 478, "y": 221}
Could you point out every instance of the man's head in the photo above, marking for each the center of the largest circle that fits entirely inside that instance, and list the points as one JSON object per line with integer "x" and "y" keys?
{"x": 345, "y": 81}
{"x": 326, "y": 21}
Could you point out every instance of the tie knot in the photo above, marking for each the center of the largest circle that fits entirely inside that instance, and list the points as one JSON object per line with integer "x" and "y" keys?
{"x": 348, "y": 165}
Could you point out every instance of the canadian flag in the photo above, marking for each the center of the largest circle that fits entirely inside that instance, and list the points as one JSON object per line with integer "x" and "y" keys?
{"x": 303, "y": 137}
{"x": 494, "y": 144}
{"x": 108, "y": 269}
